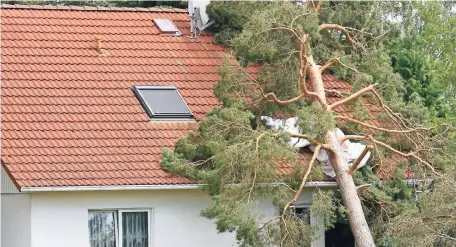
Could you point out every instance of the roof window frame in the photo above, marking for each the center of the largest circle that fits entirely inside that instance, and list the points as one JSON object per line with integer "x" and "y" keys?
{"x": 162, "y": 116}
{"x": 159, "y": 23}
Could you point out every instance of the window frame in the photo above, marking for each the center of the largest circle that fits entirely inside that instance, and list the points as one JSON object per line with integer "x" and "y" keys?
{"x": 149, "y": 230}
{"x": 161, "y": 116}
{"x": 305, "y": 208}
{"x": 158, "y": 22}
{"x": 118, "y": 223}
{"x": 314, "y": 221}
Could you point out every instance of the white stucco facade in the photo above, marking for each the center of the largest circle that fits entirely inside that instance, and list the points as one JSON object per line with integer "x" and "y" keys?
{"x": 55, "y": 219}
{"x": 61, "y": 218}
{"x": 15, "y": 220}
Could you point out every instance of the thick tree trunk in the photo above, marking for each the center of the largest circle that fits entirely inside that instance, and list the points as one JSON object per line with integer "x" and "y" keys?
{"x": 350, "y": 198}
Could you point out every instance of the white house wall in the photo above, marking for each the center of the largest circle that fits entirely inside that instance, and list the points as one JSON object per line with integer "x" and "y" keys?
{"x": 61, "y": 218}
{"x": 15, "y": 220}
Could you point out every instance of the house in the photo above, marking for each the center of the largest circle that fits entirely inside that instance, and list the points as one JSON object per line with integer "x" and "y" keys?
{"x": 90, "y": 96}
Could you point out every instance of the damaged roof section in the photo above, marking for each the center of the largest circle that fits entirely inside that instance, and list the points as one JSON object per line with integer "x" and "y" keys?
{"x": 70, "y": 116}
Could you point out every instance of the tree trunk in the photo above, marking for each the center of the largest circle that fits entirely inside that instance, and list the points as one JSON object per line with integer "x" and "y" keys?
{"x": 350, "y": 198}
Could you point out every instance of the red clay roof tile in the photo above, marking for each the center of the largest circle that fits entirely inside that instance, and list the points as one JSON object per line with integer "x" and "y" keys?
{"x": 70, "y": 117}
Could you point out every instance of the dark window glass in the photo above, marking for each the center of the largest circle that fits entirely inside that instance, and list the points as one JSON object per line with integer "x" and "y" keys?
{"x": 162, "y": 102}
{"x": 303, "y": 213}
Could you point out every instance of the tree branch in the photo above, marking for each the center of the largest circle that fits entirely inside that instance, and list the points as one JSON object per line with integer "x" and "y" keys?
{"x": 267, "y": 223}
{"x": 336, "y": 92}
{"x": 378, "y": 128}
{"x": 340, "y": 28}
{"x": 284, "y": 29}
{"x": 255, "y": 166}
{"x": 303, "y": 70}
{"x": 377, "y": 152}
{"x": 304, "y": 180}
{"x": 352, "y": 97}
{"x": 359, "y": 159}
{"x": 328, "y": 64}
{"x": 274, "y": 97}
{"x": 388, "y": 147}
{"x": 317, "y": 7}
{"x": 363, "y": 186}
{"x": 359, "y": 31}
{"x": 310, "y": 139}
{"x": 313, "y": 4}
{"x": 332, "y": 61}
{"x": 283, "y": 102}
{"x": 397, "y": 118}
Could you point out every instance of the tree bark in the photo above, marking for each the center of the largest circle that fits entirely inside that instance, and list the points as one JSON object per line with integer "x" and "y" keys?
{"x": 347, "y": 187}
{"x": 349, "y": 194}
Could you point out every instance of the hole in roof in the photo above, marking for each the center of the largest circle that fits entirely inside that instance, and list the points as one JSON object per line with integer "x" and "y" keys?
{"x": 166, "y": 26}
{"x": 162, "y": 102}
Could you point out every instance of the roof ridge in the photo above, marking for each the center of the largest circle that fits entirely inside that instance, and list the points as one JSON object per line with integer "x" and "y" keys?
{"x": 91, "y": 8}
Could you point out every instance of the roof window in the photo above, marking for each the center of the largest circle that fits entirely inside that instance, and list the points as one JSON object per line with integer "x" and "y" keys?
{"x": 162, "y": 102}
{"x": 166, "y": 26}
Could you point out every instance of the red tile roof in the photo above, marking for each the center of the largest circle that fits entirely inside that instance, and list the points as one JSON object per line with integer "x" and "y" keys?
{"x": 69, "y": 115}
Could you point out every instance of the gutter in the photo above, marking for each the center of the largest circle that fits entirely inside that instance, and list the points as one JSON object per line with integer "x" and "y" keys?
{"x": 112, "y": 188}
{"x": 144, "y": 187}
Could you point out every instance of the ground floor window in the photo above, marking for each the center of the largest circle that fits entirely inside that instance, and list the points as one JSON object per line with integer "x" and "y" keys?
{"x": 303, "y": 213}
{"x": 340, "y": 235}
{"x": 119, "y": 228}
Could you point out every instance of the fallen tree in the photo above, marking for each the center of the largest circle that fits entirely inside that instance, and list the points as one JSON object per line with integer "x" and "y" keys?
{"x": 234, "y": 147}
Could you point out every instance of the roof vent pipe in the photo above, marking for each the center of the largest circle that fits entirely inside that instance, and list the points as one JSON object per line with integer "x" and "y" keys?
{"x": 98, "y": 43}
{"x": 101, "y": 52}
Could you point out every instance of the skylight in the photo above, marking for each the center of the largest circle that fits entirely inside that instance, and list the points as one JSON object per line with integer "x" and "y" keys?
{"x": 166, "y": 26}
{"x": 162, "y": 102}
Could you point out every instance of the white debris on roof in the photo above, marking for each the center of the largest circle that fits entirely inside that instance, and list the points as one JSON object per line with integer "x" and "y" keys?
{"x": 290, "y": 125}
{"x": 350, "y": 151}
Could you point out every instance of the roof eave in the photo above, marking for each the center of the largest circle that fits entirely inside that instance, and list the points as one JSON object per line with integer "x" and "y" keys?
{"x": 112, "y": 188}
{"x": 319, "y": 184}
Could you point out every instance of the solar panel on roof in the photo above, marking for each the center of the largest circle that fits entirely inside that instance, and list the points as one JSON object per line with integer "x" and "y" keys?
{"x": 166, "y": 26}
{"x": 163, "y": 102}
